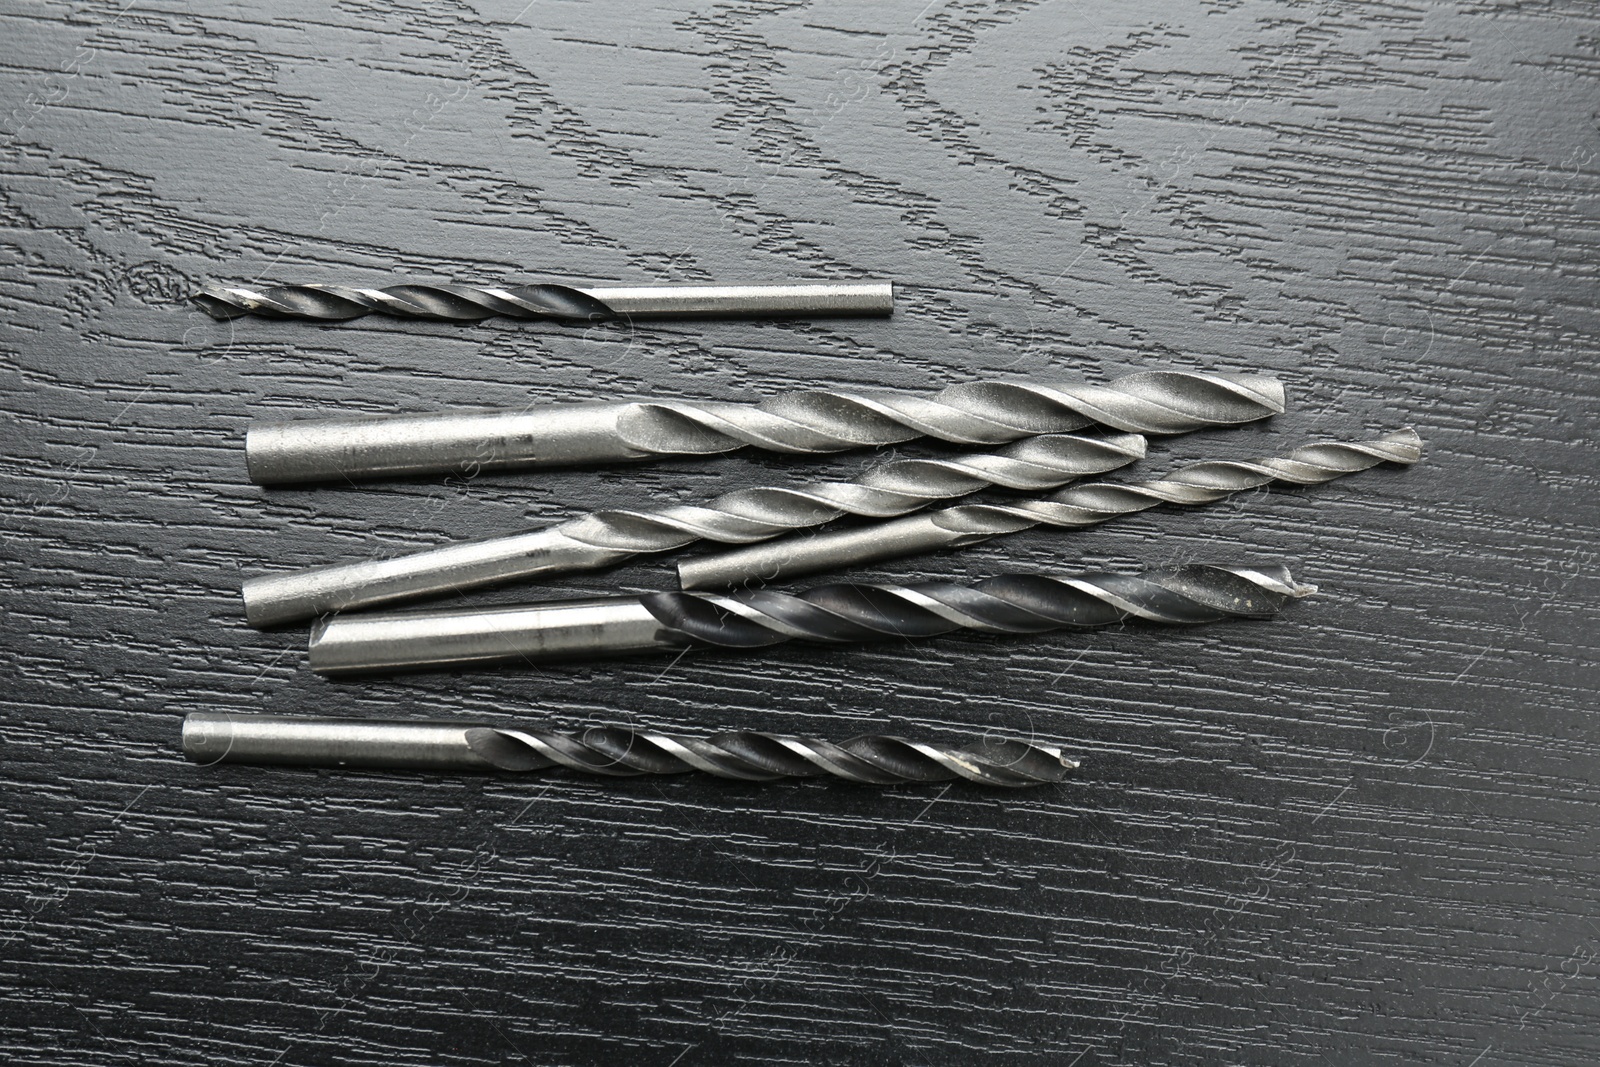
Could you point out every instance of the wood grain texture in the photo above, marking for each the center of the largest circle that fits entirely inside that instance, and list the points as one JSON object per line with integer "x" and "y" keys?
{"x": 1361, "y": 833}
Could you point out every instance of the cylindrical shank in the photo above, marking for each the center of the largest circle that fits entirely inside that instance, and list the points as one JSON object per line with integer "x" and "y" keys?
{"x": 794, "y": 557}
{"x": 530, "y": 633}
{"x": 275, "y": 599}
{"x": 822, "y": 550}
{"x": 466, "y": 443}
{"x": 219, "y": 737}
{"x": 776, "y": 300}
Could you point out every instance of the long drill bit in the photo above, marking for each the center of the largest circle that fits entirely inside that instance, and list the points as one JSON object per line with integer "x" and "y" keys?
{"x": 555, "y": 303}
{"x": 1008, "y": 604}
{"x": 1075, "y": 506}
{"x": 740, "y": 517}
{"x": 812, "y": 421}
{"x": 615, "y": 751}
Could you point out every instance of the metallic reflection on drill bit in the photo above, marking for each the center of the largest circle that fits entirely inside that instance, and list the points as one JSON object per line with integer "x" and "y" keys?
{"x": 873, "y": 759}
{"x": 814, "y": 421}
{"x": 838, "y": 614}
{"x": 554, "y": 303}
{"x": 741, "y": 517}
{"x": 1076, "y": 506}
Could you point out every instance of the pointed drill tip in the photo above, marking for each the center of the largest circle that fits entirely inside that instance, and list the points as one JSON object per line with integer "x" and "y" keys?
{"x": 1272, "y": 578}
{"x": 213, "y": 300}
{"x": 1055, "y": 753}
{"x": 1272, "y": 394}
{"x": 1262, "y": 389}
{"x": 1405, "y": 445}
{"x": 1131, "y": 444}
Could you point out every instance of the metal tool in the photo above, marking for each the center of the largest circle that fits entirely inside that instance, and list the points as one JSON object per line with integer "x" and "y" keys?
{"x": 1011, "y": 604}
{"x": 814, "y": 421}
{"x": 556, "y": 303}
{"x": 1075, "y": 506}
{"x": 740, "y": 517}
{"x": 616, "y": 751}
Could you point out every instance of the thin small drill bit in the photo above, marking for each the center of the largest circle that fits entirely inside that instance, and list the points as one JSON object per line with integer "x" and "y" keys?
{"x": 812, "y": 421}
{"x": 836, "y": 614}
{"x": 554, "y": 303}
{"x": 741, "y": 517}
{"x": 614, "y": 751}
{"x": 1076, "y": 506}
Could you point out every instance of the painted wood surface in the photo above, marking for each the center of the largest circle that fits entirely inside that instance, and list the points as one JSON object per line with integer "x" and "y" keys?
{"x": 1364, "y": 832}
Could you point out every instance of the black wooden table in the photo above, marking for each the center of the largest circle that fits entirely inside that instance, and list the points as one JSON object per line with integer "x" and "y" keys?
{"x": 1363, "y": 832}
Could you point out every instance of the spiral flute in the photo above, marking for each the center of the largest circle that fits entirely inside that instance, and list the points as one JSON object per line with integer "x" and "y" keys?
{"x": 741, "y": 517}
{"x": 1076, "y": 506}
{"x": 614, "y": 751}
{"x": 549, "y": 302}
{"x": 834, "y": 614}
{"x": 814, "y": 421}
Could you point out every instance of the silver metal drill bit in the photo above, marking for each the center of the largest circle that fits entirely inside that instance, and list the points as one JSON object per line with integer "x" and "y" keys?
{"x": 1011, "y": 604}
{"x": 740, "y": 517}
{"x": 555, "y": 303}
{"x": 1075, "y": 506}
{"x": 812, "y": 421}
{"x": 615, "y": 751}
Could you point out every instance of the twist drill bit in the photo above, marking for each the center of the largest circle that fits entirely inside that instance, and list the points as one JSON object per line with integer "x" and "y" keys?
{"x": 1011, "y": 604}
{"x": 741, "y": 517}
{"x": 554, "y": 303}
{"x": 814, "y": 421}
{"x": 1076, "y": 506}
{"x": 615, "y": 751}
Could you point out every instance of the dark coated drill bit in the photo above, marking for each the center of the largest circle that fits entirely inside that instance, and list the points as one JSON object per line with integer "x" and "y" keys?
{"x": 1010, "y": 604}
{"x": 615, "y": 751}
{"x": 1075, "y": 506}
{"x": 550, "y": 302}
{"x": 740, "y": 517}
{"x": 811, "y": 421}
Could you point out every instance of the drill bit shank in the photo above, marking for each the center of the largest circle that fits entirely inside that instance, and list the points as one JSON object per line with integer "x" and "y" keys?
{"x": 815, "y": 421}
{"x": 554, "y": 303}
{"x": 211, "y": 737}
{"x": 835, "y": 614}
{"x": 1076, "y": 506}
{"x": 741, "y": 517}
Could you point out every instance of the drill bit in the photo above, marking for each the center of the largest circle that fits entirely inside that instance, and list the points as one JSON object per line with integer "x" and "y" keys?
{"x": 615, "y": 751}
{"x": 740, "y": 517}
{"x": 813, "y": 421}
{"x": 836, "y": 614}
{"x": 555, "y": 303}
{"x": 1076, "y": 506}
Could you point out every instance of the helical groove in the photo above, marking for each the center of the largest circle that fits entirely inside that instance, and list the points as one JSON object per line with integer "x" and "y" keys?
{"x": 443, "y": 303}
{"x": 873, "y": 759}
{"x": 891, "y": 489}
{"x": 1013, "y": 603}
{"x": 977, "y": 413}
